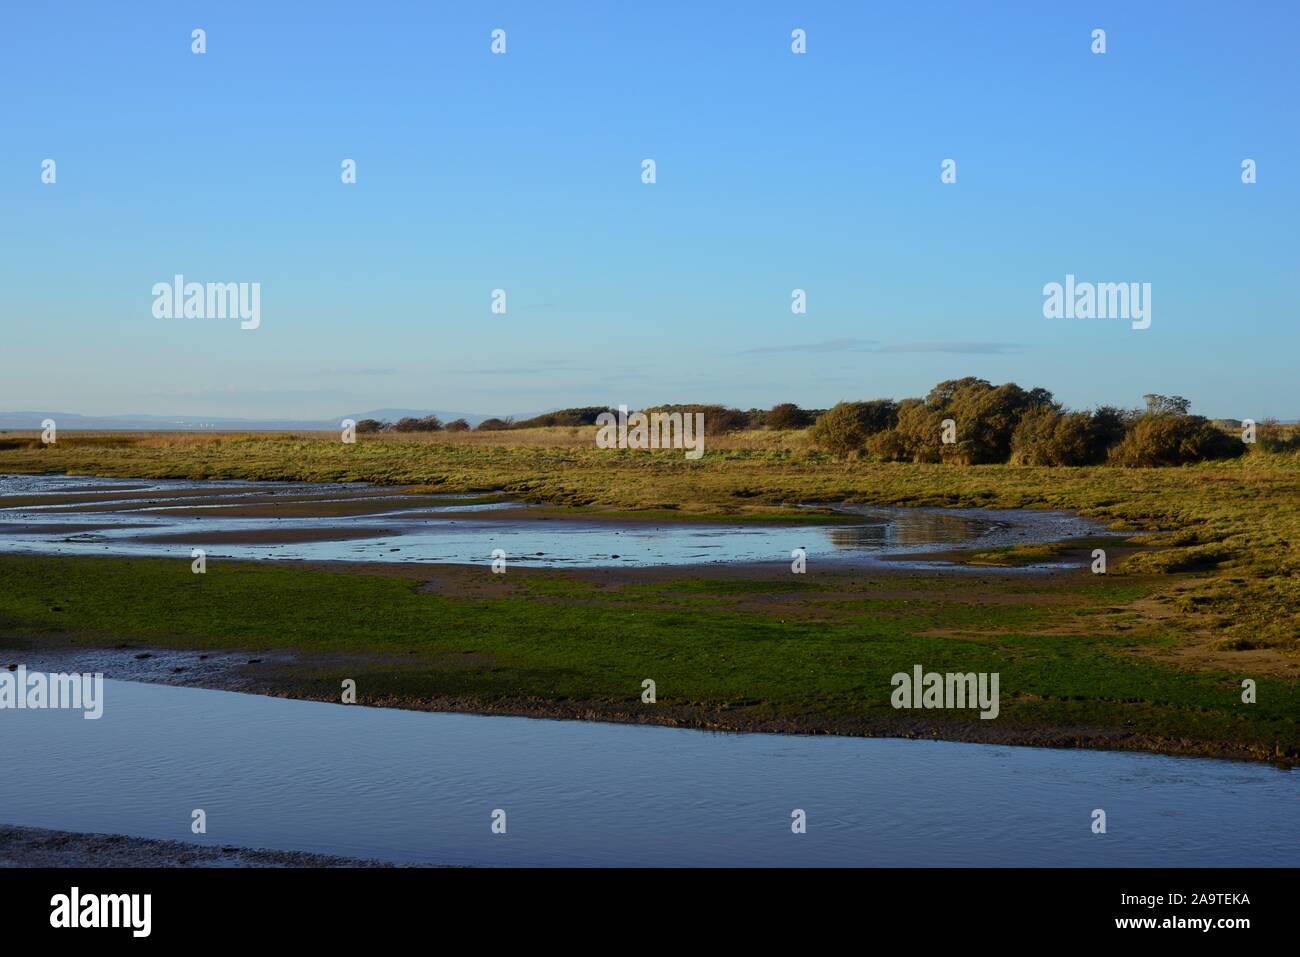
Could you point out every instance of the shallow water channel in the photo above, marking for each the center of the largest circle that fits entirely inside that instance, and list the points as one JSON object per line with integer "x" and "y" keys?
{"x": 75, "y": 515}
{"x": 419, "y": 787}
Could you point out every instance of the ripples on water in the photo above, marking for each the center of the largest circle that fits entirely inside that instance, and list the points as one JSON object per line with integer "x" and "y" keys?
{"x": 417, "y": 787}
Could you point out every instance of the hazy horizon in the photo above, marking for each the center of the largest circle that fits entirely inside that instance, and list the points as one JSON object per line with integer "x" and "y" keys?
{"x": 13, "y": 419}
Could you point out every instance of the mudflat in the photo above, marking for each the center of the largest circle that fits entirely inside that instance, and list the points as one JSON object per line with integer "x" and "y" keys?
{"x": 39, "y": 847}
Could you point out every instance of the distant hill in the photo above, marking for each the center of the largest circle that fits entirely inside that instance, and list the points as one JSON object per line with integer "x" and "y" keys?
{"x": 30, "y": 420}
{"x": 150, "y": 423}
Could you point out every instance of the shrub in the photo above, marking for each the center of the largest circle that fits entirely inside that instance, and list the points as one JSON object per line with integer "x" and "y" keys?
{"x": 916, "y": 436}
{"x": 430, "y": 423}
{"x": 373, "y": 425}
{"x": 718, "y": 419}
{"x": 985, "y": 416}
{"x": 1166, "y": 404}
{"x": 1047, "y": 436}
{"x": 1110, "y": 425}
{"x": 457, "y": 425}
{"x": 787, "y": 415}
{"x": 1170, "y": 439}
{"x": 495, "y": 425}
{"x": 1272, "y": 436}
{"x": 570, "y": 417}
{"x": 846, "y": 427}
{"x": 839, "y": 430}
{"x": 887, "y": 445}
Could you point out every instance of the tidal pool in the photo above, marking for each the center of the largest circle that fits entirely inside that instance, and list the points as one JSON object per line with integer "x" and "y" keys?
{"x": 75, "y": 515}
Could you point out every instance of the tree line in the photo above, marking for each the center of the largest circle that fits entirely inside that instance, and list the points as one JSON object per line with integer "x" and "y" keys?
{"x": 967, "y": 421}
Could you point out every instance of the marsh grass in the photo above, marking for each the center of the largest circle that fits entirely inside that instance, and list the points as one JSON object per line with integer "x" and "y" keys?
{"x": 1233, "y": 525}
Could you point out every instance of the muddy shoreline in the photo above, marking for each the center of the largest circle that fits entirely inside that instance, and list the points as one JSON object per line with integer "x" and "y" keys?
{"x": 41, "y": 847}
{"x": 274, "y": 675}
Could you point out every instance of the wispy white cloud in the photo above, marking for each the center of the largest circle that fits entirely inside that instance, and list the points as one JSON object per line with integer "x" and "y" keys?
{"x": 963, "y": 348}
{"x": 829, "y": 345}
{"x": 874, "y": 345}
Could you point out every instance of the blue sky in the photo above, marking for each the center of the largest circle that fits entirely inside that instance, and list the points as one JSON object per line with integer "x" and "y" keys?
{"x": 523, "y": 172}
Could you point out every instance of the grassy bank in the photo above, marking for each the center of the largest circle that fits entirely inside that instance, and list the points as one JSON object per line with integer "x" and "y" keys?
{"x": 729, "y": 648}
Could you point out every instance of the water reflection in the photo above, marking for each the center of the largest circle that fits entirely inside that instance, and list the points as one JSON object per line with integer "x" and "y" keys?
{"x": 72, "y": 515}
{"x": 911, "y": 527}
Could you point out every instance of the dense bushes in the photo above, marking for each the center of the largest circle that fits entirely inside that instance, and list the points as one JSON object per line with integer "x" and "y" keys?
{"x": 1170, "y": 439}
{"x": 840, "y": 431}
{"x": 983, "y": 417}
{"x": 718, "y": 419}
{"x": 1048, "y": 436}
{"x": 847, "y": 427}
{"x": 430, "y": 423}
{"x": 570, "y": 417}
{"x": 787, "y": 415}
{"x": 990, "y": 424}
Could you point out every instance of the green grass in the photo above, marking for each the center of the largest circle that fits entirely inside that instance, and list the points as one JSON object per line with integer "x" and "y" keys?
{"x": 715, "y": 647}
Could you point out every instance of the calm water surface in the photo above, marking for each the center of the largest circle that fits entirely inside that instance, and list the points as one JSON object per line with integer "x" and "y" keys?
{"x": 416, "y": 787}
{"x": 465, "y": 533}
